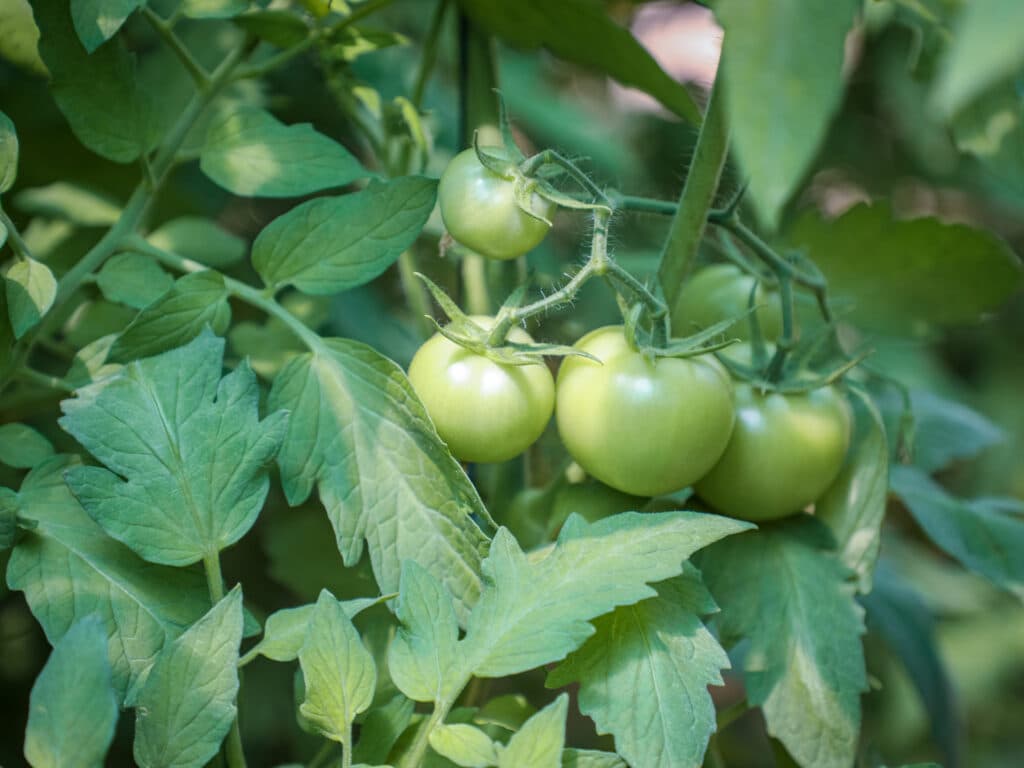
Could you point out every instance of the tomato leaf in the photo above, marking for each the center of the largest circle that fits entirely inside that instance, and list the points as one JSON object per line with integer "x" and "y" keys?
{"x": 250, "y": 152}
{"x": 985, "y": 535}
{"x": 133, "y": 279}
{"x": 782, "y": 65}
{"x": 358, "y": 433}
{"x": 187, "y": 705}
{"x": 590, "y": 758}
{"x": 539, "y": 742}
{"x": 946, "y": 431}
{"x": 905, "y": 274}
{"x": 68, "y": 568}
{"x": 31, "y": 290}
{"x": 464, "y": 744}
{"x": 214, "y": 9}
{"x": 70, "y": 202}
{"x": 8, "y": 155}
{"x": 804, "y": 665}
{"x": 190, "y": 446}
{"x": 854, "y": 506}
{"x": 194, "y": 302}
{"x": 96, "y": 21}
{"x": 581, "y": 31}
{"x": 73, "y": 708}
{"x": 19, "y": 36}
{"x": 644, "y": 675}
{"x": 23, "y": 447}
{"x": 199, "y": 239}
{"x": 332, "y": 244}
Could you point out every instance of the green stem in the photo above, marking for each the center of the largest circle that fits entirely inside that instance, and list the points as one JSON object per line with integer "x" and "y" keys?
{"x": 690, "y": 218}
{"x": 532, "y": 165}
{"x": 414, "y": 757}
{"x": 14, "y": 237}
{"x": 713, "y": 757}
{"x": 783, "y": 344}
{"x": 429, "y": 57}
{"x": 166, "y": 32}
{"x": 323, "y": 756}
{"x": 474, "y": 284}
{"x": 45, "y": 380}
{"x": 644, "y": 205}
{"x": 730, "y": 715}
{"x": 415, "y": 293}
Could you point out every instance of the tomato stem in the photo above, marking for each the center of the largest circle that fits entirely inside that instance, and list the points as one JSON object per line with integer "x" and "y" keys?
{"x": 166, "y": 32}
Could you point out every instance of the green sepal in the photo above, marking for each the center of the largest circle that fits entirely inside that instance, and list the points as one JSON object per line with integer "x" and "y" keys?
{"x": 548, "y": 191}
{"x": 505, "y": 126}
{"x": 524, "y": 189}
{"x": 497, "y": 164}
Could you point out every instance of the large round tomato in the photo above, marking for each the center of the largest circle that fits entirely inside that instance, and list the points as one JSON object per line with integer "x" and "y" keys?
{"x": 480, "y": 211}
{"x": 484, "y": 410}
{"x": 722, "y": 291}
{"x": 785, "y": 451}
{"x": 643, "y": 426}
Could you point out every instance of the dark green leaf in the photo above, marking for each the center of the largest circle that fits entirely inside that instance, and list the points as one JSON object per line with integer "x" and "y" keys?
{"x": 381, "y": 728}
{"x": 194, "y": 302}
{"x": 8, "y": 155}
{"x": 782, "y": 64}
{"x": 23, "y": 447}
{"x": 73, "y": 707}
{"x": 96, "y": 21}
{"x": 133, "y": 279}
{"x": 31, "y": 289}
{"x": 8, "y": 518}
{"x": 199, "y": 239}
{"x": 214, "y": 9}
{"x": 280, "y": 28}
{"x": 334, "y": 243}
{"x": 190, "y": 446}
{"x": 250, "y": 152}
{"x": 905, "y": 274}
{"x": 581, "y": 31}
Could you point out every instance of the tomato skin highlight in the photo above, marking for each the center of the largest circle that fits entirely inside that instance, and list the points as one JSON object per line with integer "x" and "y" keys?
{"x": 484, "y": 411}
{"x": 785, "y": 451}
{"x": 480, "y": 211}
{"x": 721, "y": 291}
{"x": 643, "y": 427}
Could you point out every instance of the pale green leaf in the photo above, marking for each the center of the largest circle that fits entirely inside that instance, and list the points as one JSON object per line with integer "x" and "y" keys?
{"x": 854, "y": 506}
{"x": 8, "y": 156}
{"x": 96, "y": 21}
{"x": 988, "y": 45}
{"x": 187, "y": 705}
{"x": 96, "y": 92}
{"x": 358, "y": 433}
{"x": 133, "y": 279}
{"x": 73, "y": 707}
{"x": 582, "y": 32}
{"x": 645, "y": 672}
{"x": 285, "y": 630}
{"x": 782, "y": 66}
{"x": 250, "y": 152}
{"x": 790, "y": 599}
{"x": 464, "y": 744}
{"x": 23, "y": 447}
{"x": 332, "y": 244}
{"x": 985, "y": 535}
{"x": 31, "y": 289}
{"x": 214, "y": 9}
{"x": 190, "y": 447}
{"x": 68, "y": 568}
{"x": 19, "y": 36}
{"x": 194, "y": 302}
{"x": 69, "y": 202}
{"x": 905, "y": 275}
{"x": 590, "y": 758}
{"x": 339, "y": 672}
{"x": 539, "y": 742}
{"x": 199, "y": 239}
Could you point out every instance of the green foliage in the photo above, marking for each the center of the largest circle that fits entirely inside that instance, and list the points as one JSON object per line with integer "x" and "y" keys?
{"x": 31, "y": 290}
{"x": 199, "y": 239}
{"x": 23, "y": 447}
{"x": 8, "y": 154}
{"x": 96, "y": 21}
{"x": 71, "y": 202}
{"x": 133, "y": 279}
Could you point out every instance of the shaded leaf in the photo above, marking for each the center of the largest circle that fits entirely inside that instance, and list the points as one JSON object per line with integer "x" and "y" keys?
{"x": 539, "y": 742}
{"x": 70, "y": 202}
{"x": 280, "y": 28}
{"x": 590, "y": 758}
{"x": 8, "y": 156}
{"x": 464, "y": 745}
{"x": 199, "y": 239}
{"x": 214, "y": 9}
{"x": 96, "y": 21}
{"x": 31, "y": 289}
{"x": 23, "y": 447}
{"x": 133, "y": 279}
{"x": 947, "y": 431}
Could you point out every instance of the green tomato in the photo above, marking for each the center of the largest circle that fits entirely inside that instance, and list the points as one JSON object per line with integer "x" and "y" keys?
{"x": 784, "y": 453}
{"x": 593, "y": 501}
{"x": 483, "y": 410}
{"x": 722, "y": 291}
{"x": 480, "y": 211}
{"x": 642, "y": 426}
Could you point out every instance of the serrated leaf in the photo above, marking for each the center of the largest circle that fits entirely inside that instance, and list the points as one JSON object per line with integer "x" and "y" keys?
{"x": 68, "y": 568}
{"x": 19, "y": 36}
{"x": 358, "y": 432}
{"x": 31, "y": 289}
{"x": 280, "y": 28}
{"x": 644, "y": 675}
{"x": 581, "y": 32}
{"x": 250, "y": 152}
{"x": 338, "y": 671}
{"x": 946, "y": 431}
{"x": 464, "y": 744}
{"x": 96, "y": 21}
{"x": 983, "y": 535}
{"x": 332, "y": 244}
{"x": 96, "y": 92}
{"x": 854, "y": 506}
{"x": 539, "y": 742}
{"x": 187, "y": 705}
{"x": 194, "y": 455}
{"x": 199, "y": 239}
{"x": 987, "y": 45}
{"x": 903, "y": 275}
{"x": 73, "y": 707}
{"x": 783, "y": 82}
{"x": 69, "y": 202}
{"x": 214, "y": 9}
{"x": 8, "y": 157}
{"x": 804, "y": 665}
{"x": 590, "y": 758}
{"x": 22, "y": 447}
{"x": 285, "y": 630}
{"x": 193, "y": 303}
{"x": 133, "y": 279}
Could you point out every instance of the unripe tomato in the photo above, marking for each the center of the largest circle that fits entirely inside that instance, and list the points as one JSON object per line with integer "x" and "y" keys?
{"x": 785, "y": 451}
{"x": 593, "y": 501}
{"x": 643, "y": 426}
{"x": 480, "y": 211}
{"x": 483, "y": 410}
{"x": 722, "y": 291}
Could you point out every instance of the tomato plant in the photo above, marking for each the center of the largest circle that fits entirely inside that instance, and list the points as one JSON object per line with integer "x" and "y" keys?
{"x": 722, "y": 291}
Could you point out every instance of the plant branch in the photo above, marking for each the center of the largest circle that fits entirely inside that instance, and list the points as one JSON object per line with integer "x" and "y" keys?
{"x": 549, "y": 157}
{"x": 14, "y": 237}
{"x": 44, "y": 379}
{"x": 429, "y": 57}
{"x": 166, "y": 32}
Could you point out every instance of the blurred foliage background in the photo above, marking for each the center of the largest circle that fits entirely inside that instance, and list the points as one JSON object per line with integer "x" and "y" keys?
{"x": 945, "y": 649}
